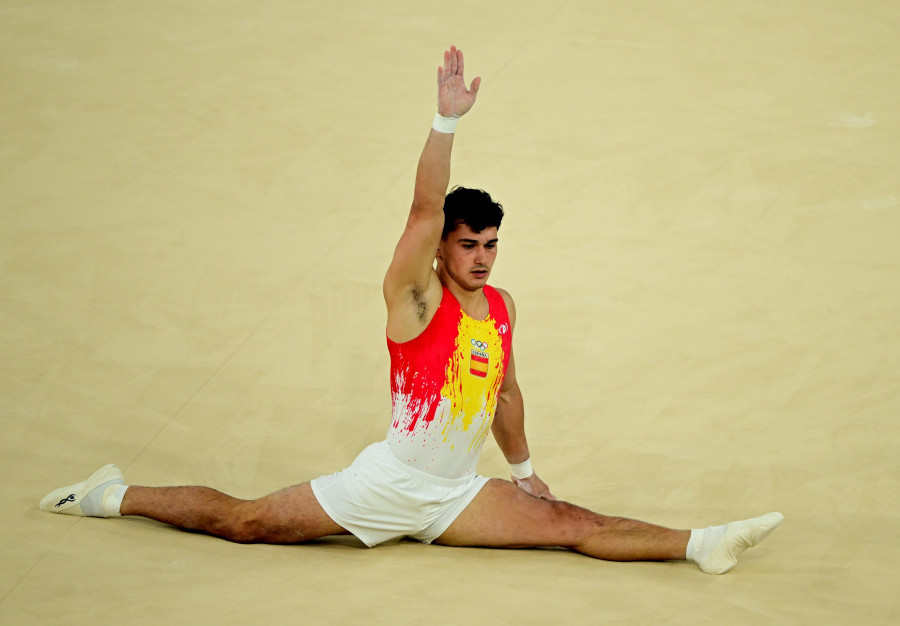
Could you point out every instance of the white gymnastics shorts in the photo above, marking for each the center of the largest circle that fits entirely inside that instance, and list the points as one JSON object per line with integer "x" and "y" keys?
{"x": 379, "y": 498}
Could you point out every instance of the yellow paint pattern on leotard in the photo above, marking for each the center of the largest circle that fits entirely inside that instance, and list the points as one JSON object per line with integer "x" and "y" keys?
{"x": 472, "y": 399}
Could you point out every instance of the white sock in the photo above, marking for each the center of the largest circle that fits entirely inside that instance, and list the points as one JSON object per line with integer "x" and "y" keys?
{"x": 112, "y": 499}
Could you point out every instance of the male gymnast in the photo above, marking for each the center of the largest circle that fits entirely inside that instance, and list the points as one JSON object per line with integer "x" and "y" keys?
{"x": 453, "y": 380}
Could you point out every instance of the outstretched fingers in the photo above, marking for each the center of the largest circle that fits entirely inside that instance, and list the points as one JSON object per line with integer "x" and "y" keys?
{"x": 453, "y": 64}
{"x": 454, "y": 99}
{"x": 460, "y": 68}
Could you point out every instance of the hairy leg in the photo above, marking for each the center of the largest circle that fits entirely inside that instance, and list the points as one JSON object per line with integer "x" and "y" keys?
{"x": 292, "y": 515}
{"x": 502, "y": 515}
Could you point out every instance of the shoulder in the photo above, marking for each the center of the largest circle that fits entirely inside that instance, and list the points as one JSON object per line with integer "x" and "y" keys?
{"x": 510, "y": 305}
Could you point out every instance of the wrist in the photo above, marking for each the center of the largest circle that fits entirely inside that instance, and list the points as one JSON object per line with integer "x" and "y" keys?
{"x": 521, "y": 470}
{"x": 445, "y": 124}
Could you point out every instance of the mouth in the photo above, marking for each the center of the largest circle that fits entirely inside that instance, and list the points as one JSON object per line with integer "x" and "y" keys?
{"x": 480, "y": 273}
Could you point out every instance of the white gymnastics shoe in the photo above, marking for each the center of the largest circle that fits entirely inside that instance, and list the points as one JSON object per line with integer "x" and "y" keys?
{"x": 722, "y": 556}
{"x": 87, "y": 497}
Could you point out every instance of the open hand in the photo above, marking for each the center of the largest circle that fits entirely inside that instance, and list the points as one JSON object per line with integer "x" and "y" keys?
{"x": 454, "y": 99}
{"x": 533, "y": 486}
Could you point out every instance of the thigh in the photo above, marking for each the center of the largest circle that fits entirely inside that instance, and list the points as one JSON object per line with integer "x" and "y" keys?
{"x": 504, "y": 516}
{"x": 293, "y": 515}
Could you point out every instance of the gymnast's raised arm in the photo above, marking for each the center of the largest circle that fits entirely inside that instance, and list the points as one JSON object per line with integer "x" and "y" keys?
{"x": 412, "y": 289}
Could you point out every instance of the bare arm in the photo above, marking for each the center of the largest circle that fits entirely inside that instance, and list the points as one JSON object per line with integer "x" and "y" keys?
{"x": 410, "y": 279}
{"x": 509, "y": 422}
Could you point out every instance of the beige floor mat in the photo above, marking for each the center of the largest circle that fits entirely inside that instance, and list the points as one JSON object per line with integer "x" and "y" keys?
{"x": 197, "y": 204}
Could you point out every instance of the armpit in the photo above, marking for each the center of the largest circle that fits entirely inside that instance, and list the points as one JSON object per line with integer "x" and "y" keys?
{"x": 418, "y": 297}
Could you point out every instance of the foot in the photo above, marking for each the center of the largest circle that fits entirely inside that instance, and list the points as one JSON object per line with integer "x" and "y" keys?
{"x": 84, "y": 498}
{"x": 723, "y": 555}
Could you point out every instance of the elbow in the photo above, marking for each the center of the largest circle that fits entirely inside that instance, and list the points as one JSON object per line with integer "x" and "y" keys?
{"x": 509, "y": 390}
{"x": 427, "y": 204}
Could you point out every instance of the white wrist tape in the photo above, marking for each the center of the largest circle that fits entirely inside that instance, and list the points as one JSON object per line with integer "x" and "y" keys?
{"x": 444, "y": 124}
{"x": 521, "y": 470}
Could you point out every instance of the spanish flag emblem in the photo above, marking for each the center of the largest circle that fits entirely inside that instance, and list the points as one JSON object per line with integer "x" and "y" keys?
{"x": 478, "y": 363}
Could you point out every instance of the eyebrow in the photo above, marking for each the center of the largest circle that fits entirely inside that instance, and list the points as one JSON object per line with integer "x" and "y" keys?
{"x": 494, "y": 240}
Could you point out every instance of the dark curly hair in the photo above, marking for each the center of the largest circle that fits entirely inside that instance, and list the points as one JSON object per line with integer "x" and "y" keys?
{"x": 473, "y": 207}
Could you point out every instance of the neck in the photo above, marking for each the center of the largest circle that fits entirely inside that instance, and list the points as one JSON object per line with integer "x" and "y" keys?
{"x": 470, "y": 301}
{"x": 473, "y": 302}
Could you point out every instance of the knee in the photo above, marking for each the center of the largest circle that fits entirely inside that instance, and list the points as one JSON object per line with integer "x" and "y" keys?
{"x": 574, "y": 523}
{"x": 243, "y": 526}
{"x": 244, "y": 532}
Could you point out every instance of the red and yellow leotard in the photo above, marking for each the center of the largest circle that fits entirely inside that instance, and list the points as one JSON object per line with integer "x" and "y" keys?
{"x": 444, "y": 387}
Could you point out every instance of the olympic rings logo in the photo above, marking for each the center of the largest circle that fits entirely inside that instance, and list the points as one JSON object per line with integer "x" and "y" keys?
{"x": 481, "y": 345}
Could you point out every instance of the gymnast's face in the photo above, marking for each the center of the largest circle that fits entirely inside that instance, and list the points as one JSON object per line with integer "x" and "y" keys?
{"x": 467, "y": 257}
